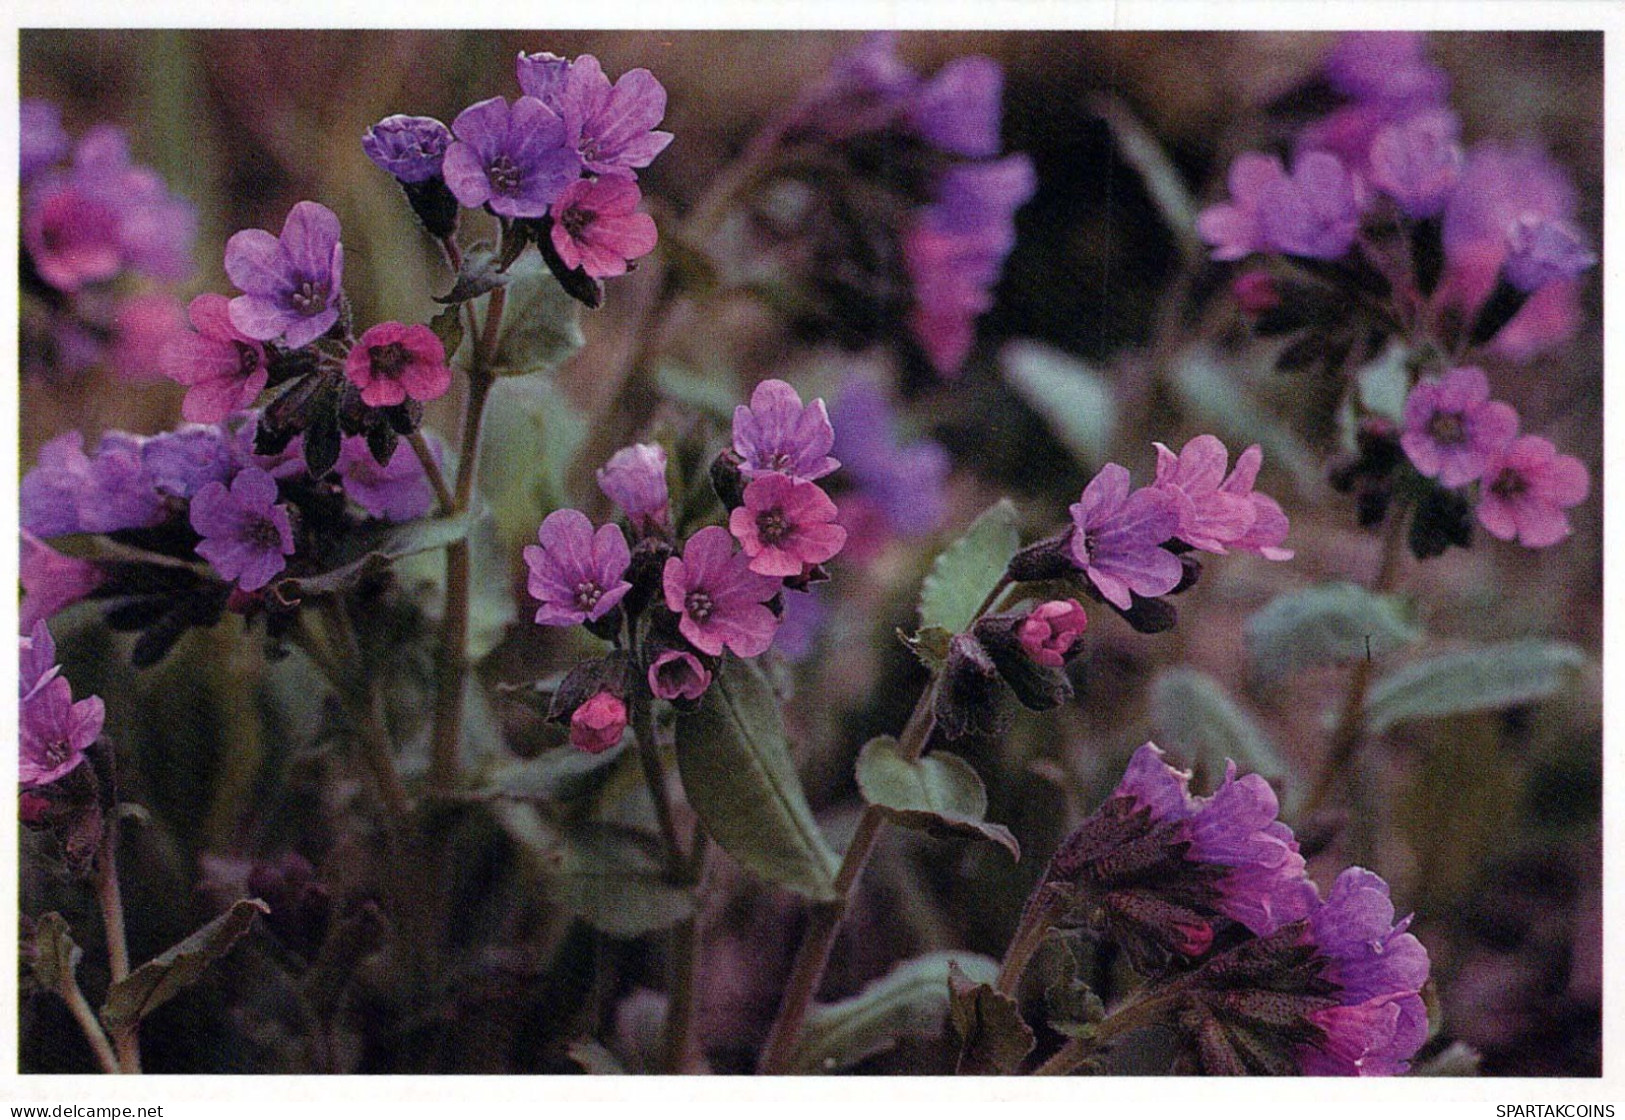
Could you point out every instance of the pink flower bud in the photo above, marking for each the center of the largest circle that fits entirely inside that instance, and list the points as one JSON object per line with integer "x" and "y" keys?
{"x": 678, "y": 675}
{"x": 1052, "y": 631}
{"x": 598, "y": 724}
{"x": 1256, "y": 292}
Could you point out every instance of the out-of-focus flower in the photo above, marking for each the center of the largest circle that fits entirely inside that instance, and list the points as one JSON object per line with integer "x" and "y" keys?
{"x": 1315, "y": 212}
{"x": 510, "y": 158}
{"x": 51, "y": 581}
{"x": 635, "y": 479}
{"x": 1542, "y": 250}
{"x": 1452, "y": 428}
{"x": 1052, "y": 630}
{"x": 1117, "y": 538}
{"x": 1269, "y": 528}
{"x": 597, "y": 226}
{"x": 786, "y": 525}
{"x": 1417, "y": 161}
{"x": 1385, "y": 66}
{"x": 292, "y": 283}
{"x": 41, "y": 140}
{"x": 676, "y": 674}
{"x": 905, "y": 482}
{"x": 777, "y": 433}
{"x": 1235, "y": 228}
{"x": 397, "y": 491}
{"x": 55, "y": 730}
{"x": 143, "y": 327}
{"x": 720, "y": 600}
{"x": 1209, "y": 517}
{"x": 957, "y": 109}
{"x": 611, "y": 127}
{"x": 598, "y": 725}
{"x": 409, "y": 148}
{"x": 1524, "y": 490}
{"x": 69, "y": 492}
{"x": 223, "y": 369}
{"x": 393, "y": 361}
{"x": 184, "y": 461}
{"x": 246, "y": 533}
{"x": 575, "y": 573}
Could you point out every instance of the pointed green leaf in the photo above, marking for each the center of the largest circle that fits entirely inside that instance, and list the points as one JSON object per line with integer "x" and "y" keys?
{"x": 1157, "y": 170}
{"x": 1498, "y": 676}
{"x": 1192, "y": 712}
{"x": 373, "y": 552}
{"x": 448, "y": 328}
{"x": 1325, "y": 625}
{"x": 738, "y": 775}
{"x": 1072, "y": 397}
{"x": 56, "y": 955}
{"x": 939, "y": 791}
{"x": 613, "y": 878}
{"x": 929, "y": 644}
{"x": 1214, "y": 393}
{"x": 710, "y": 395}
{"x": 910, "y": 1001}
{"x": 180, "y": 966}
{"x": 968, "y": 570}
{"x": 993, "y": 1037}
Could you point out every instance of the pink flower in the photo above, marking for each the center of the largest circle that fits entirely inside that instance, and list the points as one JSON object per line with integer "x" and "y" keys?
{"x": 1270, "y": 526}
{"x": 394, "y": 361}
{"x": 1052, "y": 631}
{"x": 1209, "y": 517}
{"x": 678, "y": 675}
{"x": 778, "y": 433}
{"x": 1234, "y": 228}
{"x": 597, "y": 226}
{"x": 55, "y": 730}
{"x": 51, "y": 581}
{"x": 1452, "y": 428}
{"x": 635, "y": 479}
{"x": 1524, "y": 490}
{"x": 1417, "y": 162}
{"x": 576, "y": 574}
{"x": 721, "y": 601}
{"x": 786, "y": 525}
{"x": 598, "y": 724}
{"x": 143, "y": 328}
{"x": 222, "y": 368}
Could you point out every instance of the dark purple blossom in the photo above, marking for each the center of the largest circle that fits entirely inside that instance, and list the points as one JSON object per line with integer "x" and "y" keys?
{"x": 1386, "y": 66}
{"x": 41, "y": 140}
{"x": 246, "y": 533}
{"x": 720, "y": 600}
{"x": 1524, "y": 490}
{"x": 611, "y": 127}
{"x": 222, "y": 368}
{"x": 409, "y": 148}
{"x": 1542, "y": 250}
{"x": 676, "y": 674}
{"x": 905, "y": 481}
{"x": 635, "y": 480}
{"x": 576, "y": 574}
{"x": 1313, "y": 213}
{"x": 396, "y": 491}
{"x": 777, "y": 433}
{"x": 55, "y": 730}
{"x": 291, "y": 284}
{"x": 1417, "y": 161}
{"x": 1117, "y": 538}
{"x": 1452, "y": 428}
{"x": 511, "y": 158}
{"x": 50, "y": 580}
{"x": 184, "y": 461}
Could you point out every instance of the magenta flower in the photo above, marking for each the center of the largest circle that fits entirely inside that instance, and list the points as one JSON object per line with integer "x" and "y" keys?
{"x": 611, "y": 127}
{"x": 1524, "y": 490}
{"x": 1209, "y": 517}
{"x": 1052, "y": 631}
{"x": 246, "y": 533}
{"x": 786, "y": 525}
{"x": 678, "y": 675}
{"x": 1197, "y": 862}
{"x": 1542, "y": 250}
{"x": 512, "y": 159}
{"x": 143, "y": 327}
{"x": 778, "y": 433}
{"x": 222, "y": 368}
{"x": 635, "y": 479}
{"x": 55, "y": 731}
{"x": 1269, "y": 528}
{"x": 396, "y": 491}
{"x": 1417, "y": 162}
{"x": 720, "y": 600}
{"x": 409, "y": 148}
{"x": 957, "y": 109}
{"x": 598, "y": 725}
{"x": 72, "y": 236}
{"x": 576, "y": 574}
{"x": 597, "y": 226}
{"x": 291, "y": 283}
{"x": 1117, "y": 538}
{"x": 1235, "y": 228}
{"x": 51, "y": 581}
{"x": 1452, "y": 428}
{"x": 394, "y": 361}
{"x": 1315, "y": 212}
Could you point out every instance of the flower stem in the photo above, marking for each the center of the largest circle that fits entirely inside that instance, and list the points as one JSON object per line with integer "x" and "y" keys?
{"x": 109, "y": 898}
{"x": 654, "y": 775}
{"x": 1024, "y": 943}
{"x": 85, "y": 1016}
{"x": 431, "y": 471}
{"x": 1128, "y": 1017}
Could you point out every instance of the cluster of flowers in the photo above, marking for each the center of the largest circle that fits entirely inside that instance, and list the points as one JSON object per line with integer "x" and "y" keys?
{"x": 56, "y": 730}
{"x": 954, "y": 243}
{"x": 682, "y": 606}
{"x": 90, "y": 217}
{"x": 564, "y": 155}
{"x": 1210, "y": 896}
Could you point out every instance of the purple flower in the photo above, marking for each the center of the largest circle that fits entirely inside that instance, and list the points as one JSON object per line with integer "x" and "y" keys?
{"x": 805, "y": 618}
{"x": 512, "y": 159}
{"x": 69, "y": 492}
{"x": 786, "y": 526}
{"x": 36, "y": 660}
{"x": 1117, "y": 538}
{"x": 597, "y": 226}
{"x": 396, "y": 491}
{"x": 55, "y": 731}
{"x": 51, "y": 581}
{"x": 720, "y": 600}
{"x": 40, "y": 138}
{"x": 246, "y": 533}
{"x": 184, "y": 461}
{"x": 778, "y": 433}
{"x": 1270, "y": 526}
{"x": 1418, "y": 161}
{"x": 905, "y": 482}
{"x": 957, "y": 109}
{"x": 863, "y": 91}
{"x": 1052, "y": 631}
{"x": 1315, "y": 212}
{"x": 1167, "y": 869}
{"x": 1235, "y": 229}
{"x": 1209, "y": 517}
{"x": 50, "y": 492}
{"x": 598, "y": 724}
{"x": 223, "y": 369}
{"x": 1386, "y": 66}
{"x": 409, "y": 148}
{"x": 292, "y": 284}
{"x": 635, "y": 479}
{"x": 612, "y": 128}
{"x": 678, "y": 675}
{"x": 1524, "y": 490}
{"x": 1543, "y": 250}
{"x": 1452, "y": 428}
{"x": 576, "y": 574}
{"x": 393, "y": 361}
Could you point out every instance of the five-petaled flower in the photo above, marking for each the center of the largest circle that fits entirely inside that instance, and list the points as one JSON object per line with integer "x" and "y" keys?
{"x": 786, "y": 525}
{"x": 394, "y": 361}
{"x": 777, "y": 433}
{"x": 1452, "y": 428}
{"x": 1117, "y": 538}
{"x": 222, "y": 368}
{"x": 291, "y": 284}
{"x": 246, "y": 533}
{"x": 676, "y": 674}
{"x": 1524, "y": 490}
{"x": 576, "y": 573}
{"x": 510, "y": 158}
{"x": 611, "y": 129}
{"x": 597, "y": 226}
{"x": 55, "y": 730}
{"x": 720, "y": 600}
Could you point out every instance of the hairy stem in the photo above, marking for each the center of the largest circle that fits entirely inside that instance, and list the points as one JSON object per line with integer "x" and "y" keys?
{"x": 85, "y": 1016}
{"x": 431, "y": 471}
{"x": 654, "y": 775}
{"x": 110, "y": 899}
{"x": 1024, "y": 943}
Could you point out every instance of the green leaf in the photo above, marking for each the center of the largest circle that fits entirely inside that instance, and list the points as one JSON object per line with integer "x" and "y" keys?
{"x": 1325, "y": 625}
{"x": 910, "y": 1001}
{"x": 993, "y": 1037}
{"x": 1214, "y": 393}
{"x": 562, "y": 774}
{"x": 56, "y": 955}
{"x": 593, "y": 1057}
{"x": 738, "y": 775}
{"x": 541, "y": 323}
{"x": 710, "y": 395}
{"x": 1192, "y": 711}
{"x": 968, "y": 570}
{"x": 448, "y": 327}
{"x": 180, "y": 966}
{"x": 532, "y": 433}
{"x": 1498, "y": 676}
{"x": 1162, "y": 179}
{"x": 613, "y": 878}
{"x": 939, "y": 791}
{"x": 478, "y": 275}
{"x": 929, "y": 644}
{"x": 1072, "y": 397}
{"x": 373, "y": 552}
{"x": 1456, "y": 1060}
{"x": 1385, "y": 382}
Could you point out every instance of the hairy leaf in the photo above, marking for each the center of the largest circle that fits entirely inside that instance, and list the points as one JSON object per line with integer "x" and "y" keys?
{"x": 613, "y": 878}
{"x": 1071, "y": 396}
{"x": 1192, "y": 711}
{"x": 541, "y": 323}
{"x": 1489, "y": 677}
{"x": 180, "y": 966}
{"x": 56, "y": 955}
{"x": 1325, "y": 625}
{"x": 939, "y": 791}
{"x": 967, "y": 570}
{"x": 993, "y": 1037}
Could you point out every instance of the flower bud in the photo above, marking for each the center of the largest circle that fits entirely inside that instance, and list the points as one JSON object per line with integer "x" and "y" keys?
{"x": 1050, "y": 558}
{"x": 635, "y": 479}
{"x": 1052, "y": 631}
{"x": 968, "y": 697}
{"x": 598, "y": 724}
{"x": 1028, "y": 652}
{"x": 611, "y": 673}
{"x": 728, "y": 481}
{"x": 1256, "y": 292}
